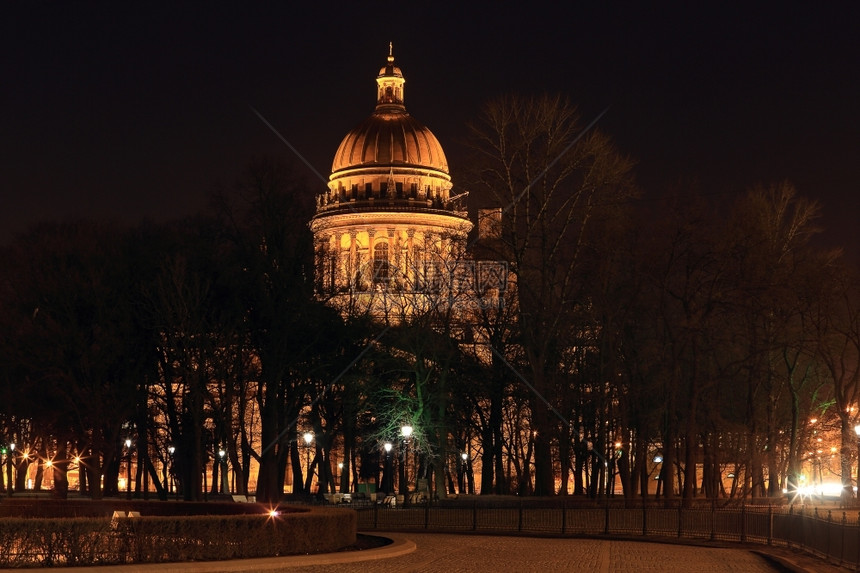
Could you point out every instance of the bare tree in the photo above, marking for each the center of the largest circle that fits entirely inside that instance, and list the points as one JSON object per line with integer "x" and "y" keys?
{"x": 559, "y": 187}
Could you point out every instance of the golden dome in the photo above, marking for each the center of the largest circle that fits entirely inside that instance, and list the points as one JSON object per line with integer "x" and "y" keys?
{"x": 387, "y": 210}
{"x": 390, "y": 162}
{"x": 390, "y": 138}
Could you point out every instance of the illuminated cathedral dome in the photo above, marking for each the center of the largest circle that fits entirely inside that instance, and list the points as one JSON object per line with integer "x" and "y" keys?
{"x": 388, "y": 211}
{"x": 391, "y": 160}
{"x": 390, "y": 137}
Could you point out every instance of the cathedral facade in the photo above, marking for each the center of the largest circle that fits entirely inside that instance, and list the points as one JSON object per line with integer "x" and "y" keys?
{"x": 388, "y": 230}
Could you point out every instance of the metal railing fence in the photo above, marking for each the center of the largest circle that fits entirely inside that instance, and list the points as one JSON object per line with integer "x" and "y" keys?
{"x": 834, "y": 538}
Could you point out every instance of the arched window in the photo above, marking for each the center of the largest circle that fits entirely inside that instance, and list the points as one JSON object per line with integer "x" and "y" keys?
{"x": 380, "y": 262}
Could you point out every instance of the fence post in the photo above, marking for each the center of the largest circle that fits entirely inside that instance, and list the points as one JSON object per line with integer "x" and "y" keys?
{"x": 427, "y": 515}
{"x": 842, "y": 538}
{"x": 713, "y": 517}
{"x": 680, "y": 516}
{"x": 743, "y": 522}
{"x": 564, "y": 516}
{"x": 857, "y": 565}
{"x": 644, "y": 518}
{"x": 520, "y": 524}
{"x": 375, "y": 516}
{"x": 769, "y": 524}
{"x": 474, "y": 515}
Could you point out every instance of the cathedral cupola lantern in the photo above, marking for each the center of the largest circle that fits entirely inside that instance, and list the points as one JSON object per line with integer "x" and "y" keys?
{"x": 390, "y": 84}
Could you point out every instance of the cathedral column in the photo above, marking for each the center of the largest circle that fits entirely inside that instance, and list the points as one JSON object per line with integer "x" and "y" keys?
{"x": 352, "y": 267}
{"x": 369, "y": 269}
{"x": 410, "y": 273}
{"x": 391, "y": 246}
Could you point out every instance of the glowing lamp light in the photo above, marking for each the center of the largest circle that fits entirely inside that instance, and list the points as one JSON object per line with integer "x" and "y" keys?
{"x": 387, "y": 447}
{"x": 406, "y": 431}
{"x": 308, "y": 437}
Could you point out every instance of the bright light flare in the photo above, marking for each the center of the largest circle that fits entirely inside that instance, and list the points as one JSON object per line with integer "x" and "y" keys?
{"x": 829, "y": 489}
{"x": 273, "y": 512}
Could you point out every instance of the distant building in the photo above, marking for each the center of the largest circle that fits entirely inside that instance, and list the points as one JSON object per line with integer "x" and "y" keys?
{"x": 389, "y": 228}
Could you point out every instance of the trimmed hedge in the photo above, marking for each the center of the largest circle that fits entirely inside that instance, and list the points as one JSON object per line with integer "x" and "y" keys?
{"x": 20, "y": 506}
{"x": 29, "y": 542}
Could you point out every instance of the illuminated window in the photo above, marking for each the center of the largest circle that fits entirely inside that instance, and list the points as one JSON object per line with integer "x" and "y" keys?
{"x": 380, "y": 262}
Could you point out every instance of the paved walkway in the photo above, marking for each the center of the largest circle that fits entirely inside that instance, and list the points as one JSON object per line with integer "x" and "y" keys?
{"x": 430, "y": 552}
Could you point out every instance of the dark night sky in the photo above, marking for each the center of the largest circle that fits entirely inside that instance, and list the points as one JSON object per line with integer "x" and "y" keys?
{"x": 136, "y": 112}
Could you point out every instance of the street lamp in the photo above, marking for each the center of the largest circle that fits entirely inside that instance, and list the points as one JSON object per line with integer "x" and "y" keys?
{"x": 406, "y": 432}
{"x": 386, "y": 474}
{"x": 464, "y": 476}
{"x": 222, "y": 467}
{"x": 171, "y": 449}
{"x": 658, "y": 459}
{"x": 309, "y": 438}
{"x": 128, "y": 468}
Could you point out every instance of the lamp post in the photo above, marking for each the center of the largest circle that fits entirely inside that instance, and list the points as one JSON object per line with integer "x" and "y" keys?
{"x": 464, "y": 472}
{"x": 222, "y": 468}
{"x": 386, "y": 472}
{"x": 171, "y": 449}
{"x": 128, "y": 468}
{"x": 309, "y": 438}
{"x": 406, "y": 432}
{"x": 658, "y": 459}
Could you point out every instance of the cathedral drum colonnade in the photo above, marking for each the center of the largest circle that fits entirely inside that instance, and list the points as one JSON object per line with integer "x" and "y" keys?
{"x": 388, "y": 219}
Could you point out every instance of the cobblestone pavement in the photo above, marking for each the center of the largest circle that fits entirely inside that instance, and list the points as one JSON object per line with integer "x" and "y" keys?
{"x": 431, "y": 552}
{"x": 454, "y": 553}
